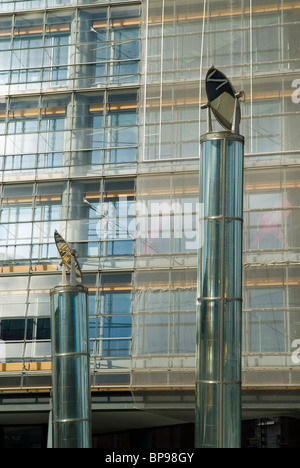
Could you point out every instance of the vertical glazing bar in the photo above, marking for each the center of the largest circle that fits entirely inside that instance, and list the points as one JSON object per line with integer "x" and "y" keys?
{"x": 219, "y": 317}
{"x": 70, "y": 368}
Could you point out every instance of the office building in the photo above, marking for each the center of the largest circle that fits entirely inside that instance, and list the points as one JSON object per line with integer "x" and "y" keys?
{"x": 100, "y": 123}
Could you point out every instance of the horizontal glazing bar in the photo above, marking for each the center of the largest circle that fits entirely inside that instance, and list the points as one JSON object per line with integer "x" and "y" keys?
{"x": 220, "y": 382}
{"x": 225, "y": 298}
{"x": 233, "y": 218}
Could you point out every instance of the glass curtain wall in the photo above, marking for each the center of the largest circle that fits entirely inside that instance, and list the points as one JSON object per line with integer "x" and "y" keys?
{"x": 256, "y": 45}
{"x": 25, "y": 329}
{"x": 164, "y": 297}
{"x": 163, "y": 348}
{"x": 68, "y": 135}
{"x": 19, "y": 5}
{"x": 100, "y": 123}
{"x": 98, "y": 218}
{"x": 69, "y": 85}
{"x": 61, "y": 50}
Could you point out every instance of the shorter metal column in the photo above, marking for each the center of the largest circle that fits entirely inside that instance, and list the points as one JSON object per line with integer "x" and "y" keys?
{"x": 71, "y": 390}
{"x": 70, "y": 367}
{"x": 219, "y": 317}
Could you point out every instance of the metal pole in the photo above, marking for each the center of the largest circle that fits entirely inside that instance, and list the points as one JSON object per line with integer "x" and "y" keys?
{"x": 219, "y": 315}
{"x": 70, "y": 367}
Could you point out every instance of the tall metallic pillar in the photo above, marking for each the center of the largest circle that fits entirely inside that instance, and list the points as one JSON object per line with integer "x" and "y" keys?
{"x": 71, "y": 397}
{"x": 219, "y": 314}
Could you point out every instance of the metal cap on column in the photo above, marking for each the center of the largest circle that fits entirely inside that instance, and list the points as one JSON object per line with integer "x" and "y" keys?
{"x": 71, "y": 393}
{"x": 219, "y": 309}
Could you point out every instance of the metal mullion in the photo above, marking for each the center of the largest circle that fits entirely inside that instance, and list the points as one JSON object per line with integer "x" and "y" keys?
{"x": 100, "y": 322}
{"x": 38, "y": 127}
{"x": 72, "y": 47}
{"x": 26, "y": 318}
{"x": 45, "y": 16}
{"x": 11, "y": 47}
{"x": 169, "y": 322}
{"x": 76, "y": 21}
{"x": 286, "y": 317}
{"x": 46, "y": 132}
{"x": 287, "y": 312}
{"x": 112, "y": 44}
{"x": 34, "y": 194}
{"x": 108, "y": 44}
{"x": 101, "y": 196}
{"x": 8, "y": 100}
{"x": 71, "y": 108}
{"x": 5, "y": 142}
{"x": 67, "y": 202}
{"x": 1, "y": 201}
{"x": 94, "y": 316}
{"x": 106, "y": 128}
{"x": 161, "y": 79}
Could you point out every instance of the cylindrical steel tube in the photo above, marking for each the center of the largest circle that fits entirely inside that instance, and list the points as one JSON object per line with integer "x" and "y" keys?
{"x": 71, "y": 394}
{"x": 219, "y": 314}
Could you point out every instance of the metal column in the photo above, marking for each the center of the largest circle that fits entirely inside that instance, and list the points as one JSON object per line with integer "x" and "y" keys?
{"x": 219, "y": 317}
{"x": 71, "y": 391}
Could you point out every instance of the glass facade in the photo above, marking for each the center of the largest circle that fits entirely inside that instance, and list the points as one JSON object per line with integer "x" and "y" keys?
{"x": 100, "y": 124}
{"x": 254, "y": 43}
